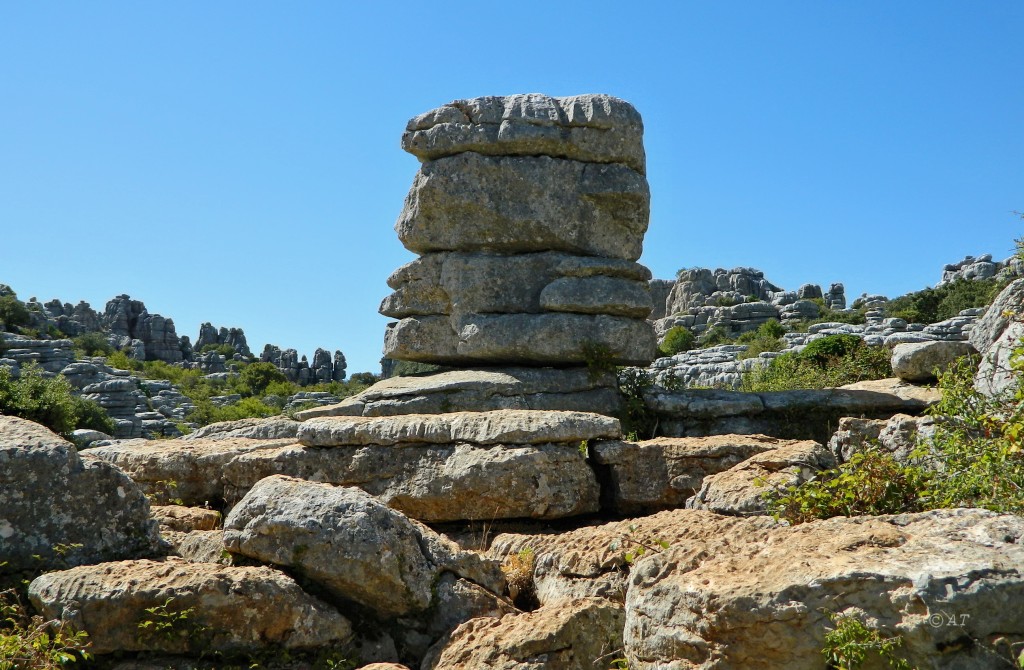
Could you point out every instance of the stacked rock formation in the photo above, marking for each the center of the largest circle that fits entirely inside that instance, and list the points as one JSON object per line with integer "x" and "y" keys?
{"x": 528, "y": 214}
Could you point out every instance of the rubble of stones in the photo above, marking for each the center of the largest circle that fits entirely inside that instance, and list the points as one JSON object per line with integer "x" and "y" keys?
{"x": 143, "y": 407}
{"x": 494, "y": 515}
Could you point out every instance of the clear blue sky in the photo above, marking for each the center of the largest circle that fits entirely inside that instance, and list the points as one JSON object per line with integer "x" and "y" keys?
{"x": 239, "y": 162}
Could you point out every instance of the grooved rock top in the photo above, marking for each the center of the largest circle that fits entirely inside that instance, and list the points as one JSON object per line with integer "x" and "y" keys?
{"x": 592, "y": 128}
{"x": 509, "y": 426}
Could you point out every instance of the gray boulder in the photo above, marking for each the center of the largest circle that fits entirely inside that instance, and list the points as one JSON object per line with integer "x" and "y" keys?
{"x": 995, "y": 336}
{"x": 511, "y": 205}
{"x": 358, "y": 549}
{"x": 58, "y": 509}
{"x": 924, "y": 361}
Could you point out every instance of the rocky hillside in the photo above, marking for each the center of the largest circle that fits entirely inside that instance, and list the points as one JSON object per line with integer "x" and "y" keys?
{"x": 536, "y": 505}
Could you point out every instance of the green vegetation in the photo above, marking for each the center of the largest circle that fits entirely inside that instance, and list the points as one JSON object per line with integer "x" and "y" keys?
{"x": 827, "y": 362}
{"x": 767, "y": 337}
{"x": 163, "y": 621}
{"x": 870, "y": 483}
{"x": 92, "y": 344}
{"x": 677, "y": 339}
{"x": 13, "y": 312}
{"x": 937, "y": 304}
{"x": 712, "y": 337}
{"x": 637, "y": 420}
{"x": 225, "y": 350}
{"x": 30, "y": 642}
{"x": 49, "y": 401}
{"x": 411, "y": 368}
{"x": 851, "y": 642}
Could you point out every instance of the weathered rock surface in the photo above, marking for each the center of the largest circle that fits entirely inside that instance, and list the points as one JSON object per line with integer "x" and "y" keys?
{"x": 520, "y": 339}
{"x": 571, "y": 389}
{"x": 351, "y": 544}
{"x": 231, "y": 609}
{"x": 662, "y": 473}
{"x": 920, "y": 362}
{"x": 741, "y": 489}
{"x": 515, "y": 205}
{"x": 58, "y": 509}
{"x": 436, "y": 483}
{"x": 508, "y": 426}
{"x": 185, "y": 470}
{"x": 898, "y": 435}
{"x": 185, "y": 519}
{"x": 578, "y": 635}
{"x": 995, "y": 336}
{"x": 759, "y": 597}
{"x": 198, "y": 546}
{"x": 589, "y": 128}
{"x": 272, "y": 428}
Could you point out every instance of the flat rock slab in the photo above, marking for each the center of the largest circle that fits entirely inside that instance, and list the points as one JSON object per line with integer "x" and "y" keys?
{"x": 644, "y": 477}
{"x": 762, "y": 597}
{"x": 229, "y": 609}
{"x": 498, "y": 427}
{"x": 741, "y": 488}
{"x": 271, "y": 428}
{"x": 520, "y": 339}
{"x": 185, "y": 471}
{"x": 351, "y": 544}
{"x": 578, "y": 635}
{"x": 58, "y": 509}
{"x": 924, "y": 361}
{"x": 527, "y": 204}
{"x": 594, "y": 128}
{"x": 481, "y": 390}
{"x": 437, "y": 483}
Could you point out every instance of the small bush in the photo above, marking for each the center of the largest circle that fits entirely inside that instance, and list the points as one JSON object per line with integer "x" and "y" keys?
{"x": 852, "y": 642}
{"x": 49, "y": 401}
{"x": 119, "y": 360}
{"x": 712, "y": 337}
{"x": 944, "y": 302}
{"x": 767, "y": 337}
{"x": 31, "y": 643}
{"x": 832, "y": 361}
{"x": 256, "y": 377}
{"x": 206, "y": 412}
{"x": 677, "y": 339}
{"x": 871, "y": 482}
{"x": 225, "y": 350}
{"x": 822, "y": 350}
{"x": 91, "y": 416}
{"x": 92, "y": 344}
{"x": 13, "y": 312}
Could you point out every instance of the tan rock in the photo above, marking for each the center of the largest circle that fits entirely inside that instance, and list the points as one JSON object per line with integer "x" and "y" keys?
{"x": 185, "y": 519}
{"x": 574, "y": 635}
{"x": 227, "y": 609}
{"x": 741, "y": 489}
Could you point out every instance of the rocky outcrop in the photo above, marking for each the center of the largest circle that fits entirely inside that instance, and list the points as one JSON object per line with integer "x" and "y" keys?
{"x": 128, "y": 320}
{"x": 982, "y": 267}
{"x": 701, "y": 287}
{"x": 58, "y": 509}
{"x": 528, "y": 213}
{"x": 226, "y": 609}
{"x": 898, "y": 435}
{"x": 232, "y": 337}
{"x": 50, "y": 355}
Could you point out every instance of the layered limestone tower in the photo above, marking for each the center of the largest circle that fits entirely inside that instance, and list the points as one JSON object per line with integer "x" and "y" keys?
{"x": 528, "y": 214}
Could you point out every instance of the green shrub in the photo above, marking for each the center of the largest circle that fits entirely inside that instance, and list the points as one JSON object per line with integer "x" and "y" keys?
{"x": 206, "y": 412}
{"x": 976, "y": 451}
{"x": 871, "y": 482}
{"x": 712, "y": 337}
{"x": 28, "y": 642}
{"x": 225, "y": 350}
{"x": 767, "y": 337}
{"x": 828, "y": 362}
{"x": 851, "y": 642}
{"x": 91, "y": 416}
{"x": 119, "y": 360}
{"x": 410, "y": 368}
{"x": 677, "y": 339}
{"x": 256, "y": 377}
{"x": 13, "y": 312}
{"x": 92, "y": 344}
{"x": 49, "y": 401}
{"x": 944, "y": 302}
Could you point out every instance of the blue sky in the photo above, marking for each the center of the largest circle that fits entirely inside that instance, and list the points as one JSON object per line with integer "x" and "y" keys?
{"x": 239, "y": 162}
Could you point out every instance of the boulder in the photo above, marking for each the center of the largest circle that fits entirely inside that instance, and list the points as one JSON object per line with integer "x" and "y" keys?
{"x": 662, "y": 473}
{"x": 271, "y": 428}
{"x": 741, "y": 489}
{"x": 185, "y": 519}
{"x": 924, "y": 361}
{"x": 514, "y": 205}
{"x": 945, "y": 582}
{"x": 508, "y": 426}
{"x": 350, "y": 544}
{"x": 219, "y": 608}
{"x": 898, "y": 435}
{"x": 571, "y": 389}
{"x": 58, "y": 509}
{"x": 579, "y": 635}
{"x": 589, "y": 128}
{"x": 995, "y": 336}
